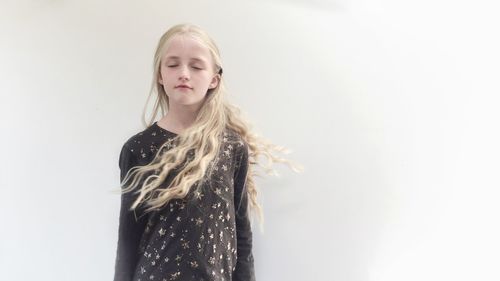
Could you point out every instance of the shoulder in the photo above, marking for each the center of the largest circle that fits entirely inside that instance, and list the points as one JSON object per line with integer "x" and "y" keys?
{"x": 235, "y": 141}
{"x": 135, "y": 140}
{"x": 130, "y": 148}
{"x": 141, "y": 141}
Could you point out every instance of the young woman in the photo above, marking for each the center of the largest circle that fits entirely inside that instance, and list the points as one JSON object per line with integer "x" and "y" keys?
{"x": 191, "y": 173}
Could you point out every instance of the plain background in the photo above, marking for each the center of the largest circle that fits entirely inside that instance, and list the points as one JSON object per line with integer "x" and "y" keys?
{"x": 391, "y": 106}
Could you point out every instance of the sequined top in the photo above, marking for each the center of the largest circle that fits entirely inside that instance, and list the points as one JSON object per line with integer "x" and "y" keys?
{"x": 205, "y": 236}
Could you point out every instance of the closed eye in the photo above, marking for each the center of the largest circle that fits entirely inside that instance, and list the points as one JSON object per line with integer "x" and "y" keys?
{"x": 195, "y": 67}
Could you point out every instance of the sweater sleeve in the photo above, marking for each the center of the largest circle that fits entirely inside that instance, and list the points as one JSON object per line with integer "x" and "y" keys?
{"x": 244, "y": 270}
{"x": 130, "y": 228}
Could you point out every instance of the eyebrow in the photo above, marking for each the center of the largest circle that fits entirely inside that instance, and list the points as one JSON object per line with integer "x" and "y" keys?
{"x": 176, "y": 58}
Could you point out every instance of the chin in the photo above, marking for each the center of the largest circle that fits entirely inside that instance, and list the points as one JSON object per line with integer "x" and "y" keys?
{"x": 186, "y": 102}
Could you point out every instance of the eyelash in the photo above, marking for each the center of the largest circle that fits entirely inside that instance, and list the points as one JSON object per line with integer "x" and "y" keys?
{"x": 197, "y": 68}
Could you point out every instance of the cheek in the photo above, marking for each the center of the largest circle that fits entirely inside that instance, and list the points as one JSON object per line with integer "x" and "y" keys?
{"x": 165, "y": 75}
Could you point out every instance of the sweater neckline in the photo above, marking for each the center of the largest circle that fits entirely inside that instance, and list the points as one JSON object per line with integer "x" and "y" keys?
{"x": 155, "y": 124}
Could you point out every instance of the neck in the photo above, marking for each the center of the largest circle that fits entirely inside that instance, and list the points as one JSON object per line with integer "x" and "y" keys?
{"x": 178, "y": 119}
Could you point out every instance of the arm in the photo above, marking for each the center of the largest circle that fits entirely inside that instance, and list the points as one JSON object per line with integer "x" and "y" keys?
{"x": 244, "y": 270}
{"x": 130, "y": 229}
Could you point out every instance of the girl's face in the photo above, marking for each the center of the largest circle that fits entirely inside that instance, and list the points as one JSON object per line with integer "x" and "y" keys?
{"x": 187, "y": 72}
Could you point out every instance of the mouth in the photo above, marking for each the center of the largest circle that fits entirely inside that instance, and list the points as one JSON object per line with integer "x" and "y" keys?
{"x": 183, "y": 87}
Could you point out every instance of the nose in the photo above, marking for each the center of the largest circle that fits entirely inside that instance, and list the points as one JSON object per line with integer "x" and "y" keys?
{"x": 184, "y": 73}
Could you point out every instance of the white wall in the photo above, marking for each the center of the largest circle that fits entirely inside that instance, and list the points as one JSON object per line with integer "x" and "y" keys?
{"x": 391, "y": 106}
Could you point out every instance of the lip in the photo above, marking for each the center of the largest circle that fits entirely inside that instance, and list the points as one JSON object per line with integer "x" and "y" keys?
{"x": 183, "y": 86}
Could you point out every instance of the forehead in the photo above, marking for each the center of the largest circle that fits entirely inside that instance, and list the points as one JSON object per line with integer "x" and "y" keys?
{"x": 184, "y": 47}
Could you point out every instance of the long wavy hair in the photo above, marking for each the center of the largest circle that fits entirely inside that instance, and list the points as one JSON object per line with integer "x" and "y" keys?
{"x": 196, "y": 147}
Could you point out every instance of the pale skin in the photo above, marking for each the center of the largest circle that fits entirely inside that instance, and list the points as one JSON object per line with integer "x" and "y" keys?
{"x": 188, "y": 63}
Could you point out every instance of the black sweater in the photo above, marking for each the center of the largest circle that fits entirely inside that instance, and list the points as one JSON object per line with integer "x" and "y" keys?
{"x": 205, "y": 236}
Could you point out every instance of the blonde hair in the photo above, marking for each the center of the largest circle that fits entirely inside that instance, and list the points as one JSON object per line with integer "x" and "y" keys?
{"x": 197, "y": 146}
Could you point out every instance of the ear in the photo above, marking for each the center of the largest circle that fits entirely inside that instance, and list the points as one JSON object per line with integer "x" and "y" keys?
{"x": 215, "y": 81}
{"x": 159, "y": 79}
